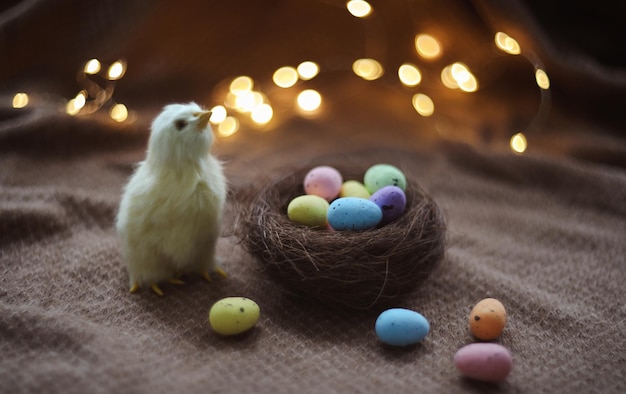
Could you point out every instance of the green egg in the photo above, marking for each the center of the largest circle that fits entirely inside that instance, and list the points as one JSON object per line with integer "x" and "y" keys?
{"x": 233, "y": 315}
{"x": 354, "y": 189}
{"x": 381, "y": 175}
{"x": 309, "y": 210}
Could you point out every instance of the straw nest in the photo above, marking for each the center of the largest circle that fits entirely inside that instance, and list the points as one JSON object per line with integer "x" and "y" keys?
{"x": 345, "y": 269}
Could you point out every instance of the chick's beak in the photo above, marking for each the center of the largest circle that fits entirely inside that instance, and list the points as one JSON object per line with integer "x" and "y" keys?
{"x": 203, "y": 119}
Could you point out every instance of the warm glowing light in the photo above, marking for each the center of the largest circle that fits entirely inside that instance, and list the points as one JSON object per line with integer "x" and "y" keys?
{"x": 427, "y": 46}
{"x": 241, "y": 84}
{"x": 218, "y": 114}
{"x": 423, "y": 104}
{"x": 20, "y": 100}
{"x": 409, "y": 74}
{"x": 92, "y": 66}
{"x": 116, "y": 70}
{"x": 518, "y": 143}
{"x": 309, "y": 100}
{"x": 368, "y": 69}
{"x": 458, "y": 76}
{"x": 285, "y": 77}
{"x": 228, "y": 127}
{"x": 507, "y": 44}
{"x": 71, "y": 108}
{"x": 542, "y": 79}
{"x": 447, "y": 79}
{"x": 247, "y": 101}
{"x": 359, "y": 8}
{"x": 262, "y": 114}
{"x": 308, "y": 70}
{"x": 80, "y": 100}
{"x": 119, "y": 113}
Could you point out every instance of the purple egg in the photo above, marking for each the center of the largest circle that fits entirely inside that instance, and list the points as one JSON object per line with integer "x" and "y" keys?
{"x": 392, "y": 202}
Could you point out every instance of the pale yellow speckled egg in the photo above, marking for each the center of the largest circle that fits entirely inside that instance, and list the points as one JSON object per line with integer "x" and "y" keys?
{"x": 353, "y": 188}
{"x": 309, "y": 210}
{"x": 234, "y": 315}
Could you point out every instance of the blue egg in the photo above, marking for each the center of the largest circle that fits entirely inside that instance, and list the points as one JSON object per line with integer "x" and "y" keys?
{"x": 392, "y": 202}
{"x": 401, "y": 327}
{"x": 353, "y": 213}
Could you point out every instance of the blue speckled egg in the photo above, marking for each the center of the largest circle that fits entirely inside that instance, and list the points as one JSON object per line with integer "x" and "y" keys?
{"x": 353, "y": 213}
{"x": 392, "y": 202}
{"x": 401, "y": 327}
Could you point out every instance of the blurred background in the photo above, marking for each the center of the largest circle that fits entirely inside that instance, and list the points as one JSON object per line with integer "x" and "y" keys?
{"x": 519, "y": 76}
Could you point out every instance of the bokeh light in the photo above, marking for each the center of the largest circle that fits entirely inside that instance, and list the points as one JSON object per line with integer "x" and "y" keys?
{"x": 262, "y": 114}
{"x": 359, "y": 8}
{"x": 368, "y": 69}
{"x": 218, "y": 114}
{"x": 92, "y": 66}
{"x": 228, "y": 127}
{"x": 20, "y": 100}
{"x": 308, "y": 70}
{"x": 519, "y": 143}
{"x": 241, "y": 85}
{"x": 423, "y": 104}
{"x": 542, "y": 79}
{"x": 507, "y": 44}
{"x": 427, "y": 46}
{"x": 309, "y": 100}
{"x": 116, "y": 70}
{"x": 119, "y": 113}
{"x": 409, "y": 74}
{"x": 285, "y": 77}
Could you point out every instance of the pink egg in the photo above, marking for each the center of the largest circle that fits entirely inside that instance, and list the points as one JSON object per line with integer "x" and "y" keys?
{"x": 487, "y": 362}
{"x": 323, "y": 181}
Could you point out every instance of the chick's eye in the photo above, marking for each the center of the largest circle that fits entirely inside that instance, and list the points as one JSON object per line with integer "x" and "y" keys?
{"x": 180, "y": 124}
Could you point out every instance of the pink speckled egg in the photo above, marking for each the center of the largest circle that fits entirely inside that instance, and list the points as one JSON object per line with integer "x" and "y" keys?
{"x": 323, "y": 181}
{"x": 487, "y": 362}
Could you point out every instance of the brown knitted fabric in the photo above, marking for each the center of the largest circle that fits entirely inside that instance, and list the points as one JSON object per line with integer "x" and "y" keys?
{"x": 543, "y": 232}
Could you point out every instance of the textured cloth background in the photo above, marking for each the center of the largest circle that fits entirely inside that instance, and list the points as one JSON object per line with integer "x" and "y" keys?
{"x": 544, "y": 232}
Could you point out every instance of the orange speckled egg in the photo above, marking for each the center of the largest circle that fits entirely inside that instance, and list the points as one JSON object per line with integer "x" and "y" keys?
{"x": 487, "y": 319}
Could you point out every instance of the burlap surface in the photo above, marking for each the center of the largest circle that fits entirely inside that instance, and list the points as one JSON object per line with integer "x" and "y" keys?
{"x": 543, "y": 232}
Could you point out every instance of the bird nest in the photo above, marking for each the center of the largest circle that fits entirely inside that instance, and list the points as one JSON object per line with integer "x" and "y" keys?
{"x": 343, "y": 268}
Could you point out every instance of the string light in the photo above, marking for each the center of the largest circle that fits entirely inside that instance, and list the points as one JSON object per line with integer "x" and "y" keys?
{"x": 518, "y": 143}
{"x": 423, "y": 104}
{"x": 92, "y": 67}
{"x": 262, "y": 114}
{"x": 359, "y": 8}
{"x": 308, "y": 70}
{"x": 20, "y": 100}
{"x": 458, "y": 76}
{"x": 116, "y": 70}
{"x": 285, "y": 77}
{"x": 542, "y": 79}
{"x": 368, "y": 69}
{"x": 309, "y": 100}
{"x": 119, "y": 112}
{"x": 507, "y": 44}
{"x": 228, "y": 127}
{"x": 409, "y": 74}
{"x": 427, "y": 46}
{"x": 218, "y": 114}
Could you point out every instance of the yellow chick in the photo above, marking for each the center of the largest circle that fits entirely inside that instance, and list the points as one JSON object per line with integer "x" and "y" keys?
{"x": 171, "y": 209}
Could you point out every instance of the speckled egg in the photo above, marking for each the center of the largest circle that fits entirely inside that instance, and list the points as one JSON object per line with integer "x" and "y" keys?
{"x": 353, "y": 213}
{"x": 381, "y": 175}
{"x": 233, "y": 315}
{"x": 487, "y": 319}
{"x": 309, "y": 210}
{"x": 323, "y": 181}
{"x": 392, "y": 202}
{"x": 401, "y": 327}
{"x": 487, "y": 362}
{"x": 354, "y": 188}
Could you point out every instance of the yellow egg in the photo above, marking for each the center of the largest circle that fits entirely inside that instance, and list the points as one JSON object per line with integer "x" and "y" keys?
{"x": 309, "y": 210}
{"x": 487, "y": 319}
{"x": 233, "y": 315}
{"x": 354, "y": 189}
